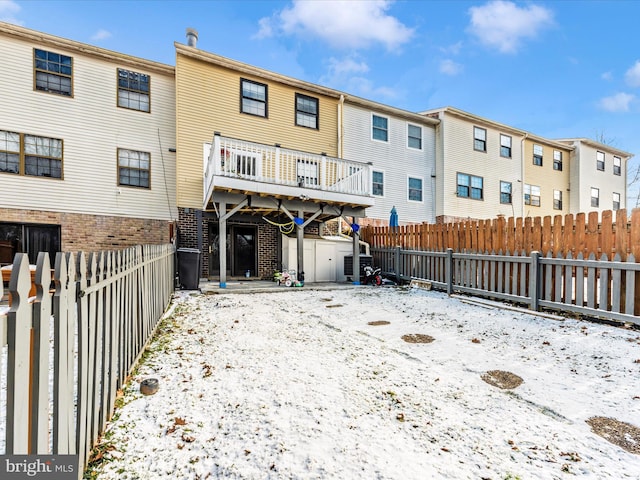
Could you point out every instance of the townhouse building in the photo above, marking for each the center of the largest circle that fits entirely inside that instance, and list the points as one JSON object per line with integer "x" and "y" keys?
{"x": 598, "y": 176}
{"x": 85, "y": 147}
{"x": 479, "y": 167}
{"x": 400, "y": 146}
{"x": 258, "y": 159}
{"x": 546, "y": 174}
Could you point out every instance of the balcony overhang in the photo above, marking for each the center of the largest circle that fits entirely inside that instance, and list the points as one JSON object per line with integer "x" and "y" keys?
{"x": 269, "y": 176}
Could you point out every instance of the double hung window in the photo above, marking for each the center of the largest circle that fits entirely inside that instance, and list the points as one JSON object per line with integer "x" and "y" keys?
{"x": 532, "y": 195}
{"x": 53, "y": 72}
{"x": 133, "y": 90}
{"x": 306, "y": 111}
{"x": 505, "y": 146}
{"x": 479, "y": 139}
{"x": 470, "y": 186}
{"x": 557, "y": 199}
{"x": 414, "y": 136}
{"x": 600, "y": 161}
{"x": 254, "y": 98}
{"x": 377, "y": 183}
{"x": 557, "y": 160}
{"x": 505, "y": 192}
{"x": 414, "y": 189}
{"x": 595, "y": 197}
{"x": 134, "y": 168}
{"x": 380, "y": 128}
{"x": 617, "y": 166}
{"x": 537, "y": 155}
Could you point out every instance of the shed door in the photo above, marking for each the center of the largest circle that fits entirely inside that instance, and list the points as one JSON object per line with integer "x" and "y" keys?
{"x": 325, "y": 262}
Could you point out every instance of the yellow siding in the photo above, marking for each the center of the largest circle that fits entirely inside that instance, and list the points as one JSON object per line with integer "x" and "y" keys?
{"x": 546, "y": 178}
{"x": 208, "y": 101}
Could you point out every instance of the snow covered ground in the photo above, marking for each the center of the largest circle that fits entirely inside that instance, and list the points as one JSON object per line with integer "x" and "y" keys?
{"x": 297, "y": 385}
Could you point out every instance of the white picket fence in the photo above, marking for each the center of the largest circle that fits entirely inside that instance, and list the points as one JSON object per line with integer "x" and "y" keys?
{"x": 67, "y": 350}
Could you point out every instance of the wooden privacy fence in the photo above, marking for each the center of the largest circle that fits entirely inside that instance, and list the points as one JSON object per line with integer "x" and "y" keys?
{"x": 582, "y": 233}
{"x": 595, "y": 287}
{"x": 92, "y": 318}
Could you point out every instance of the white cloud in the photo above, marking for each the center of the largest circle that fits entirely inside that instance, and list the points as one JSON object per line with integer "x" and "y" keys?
{"x": 620, "y": 102}
{"x": 341, "y": 23}
{"x": 504, "y": 25}
{"x": 348, "y": 74}
{"x": 608, "y": 76}
{"x": 9, "y": 8}
{"x": 101, "y": 35}
{"x": 452, "y": 49}
{"x": 346, "y": 66}
{"x": 449, "y": 67}
{"x": 633, "y": 75}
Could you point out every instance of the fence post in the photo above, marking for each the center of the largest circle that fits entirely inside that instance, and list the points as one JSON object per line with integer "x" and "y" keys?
{"x": 534, "y": 280}
{"x": 448, "y": 271}
{"x": 397, "y": 262}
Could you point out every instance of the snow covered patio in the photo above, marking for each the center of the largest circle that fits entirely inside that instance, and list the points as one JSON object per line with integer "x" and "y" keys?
{"x": 297, "y": 384}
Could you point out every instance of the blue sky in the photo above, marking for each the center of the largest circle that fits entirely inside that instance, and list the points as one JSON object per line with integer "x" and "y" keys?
{"x": 555, "y": 68}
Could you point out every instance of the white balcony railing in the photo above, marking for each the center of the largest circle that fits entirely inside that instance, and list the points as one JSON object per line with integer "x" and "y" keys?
{"x": 255, "y": 162}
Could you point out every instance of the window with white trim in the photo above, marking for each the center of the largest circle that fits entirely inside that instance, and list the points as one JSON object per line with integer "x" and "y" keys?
{"x": 479, "y": 139}
{"x": 538, "y": 154}
{"x": 134, "y": 168}
{"x": 379, "y": 128}
{"x": 600, "y": 161}
{"x": 616, "y": 201}
{"x": 505, "y": 146}
{"x": 595, "y": 197}
{"x": 377, "y": 183}
{"x": 53, "y": 72}
{"x": 617, "y": 165}
{"x": 505, "y": 192}
{"x": 532, "y": 195}
{"x": 134, "y": 90}
{"x": 414, "y": 136}
{"x": 557, "y": 199}
{"x": 254, "y": 98}
{"x": 414, "y": 193}
{"x": 557, "y": 160}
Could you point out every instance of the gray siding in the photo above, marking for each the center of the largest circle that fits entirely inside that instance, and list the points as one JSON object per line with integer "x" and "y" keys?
{"x": 396, "y": 160}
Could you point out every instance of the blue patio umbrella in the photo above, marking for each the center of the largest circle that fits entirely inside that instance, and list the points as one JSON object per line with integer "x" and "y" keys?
{"x": 393, "y": 219}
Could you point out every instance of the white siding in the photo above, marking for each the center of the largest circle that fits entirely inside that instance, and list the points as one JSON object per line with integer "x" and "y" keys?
{"x": 92, "y": 128}
{"x": 395, "y": 159}
{"x": 587, "y": 175}
{"x": 459, "y": 156}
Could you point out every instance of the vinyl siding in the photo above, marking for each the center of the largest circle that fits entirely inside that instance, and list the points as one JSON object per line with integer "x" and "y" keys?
{"x": 547, "y": 179}
{"x": 459, "y": 156}
{"x": 395, "y": 159}
{"x": 208, "y": 101}
{"x": 92, "y": 128}
{"x": 589, "y": 176}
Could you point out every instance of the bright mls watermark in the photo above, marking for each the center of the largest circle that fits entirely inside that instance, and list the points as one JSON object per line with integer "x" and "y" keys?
{"x": 50, "y": 467}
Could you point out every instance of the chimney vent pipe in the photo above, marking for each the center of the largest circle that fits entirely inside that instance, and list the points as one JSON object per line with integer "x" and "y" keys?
{"x": 192, "y": 37}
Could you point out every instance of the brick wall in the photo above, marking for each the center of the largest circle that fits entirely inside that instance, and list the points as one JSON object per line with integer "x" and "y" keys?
{"x": 80, "y": 232}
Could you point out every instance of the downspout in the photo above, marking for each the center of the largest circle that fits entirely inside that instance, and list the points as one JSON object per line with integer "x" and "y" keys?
{"x": 340, "y": 109}
{"x": 522, "y": 174}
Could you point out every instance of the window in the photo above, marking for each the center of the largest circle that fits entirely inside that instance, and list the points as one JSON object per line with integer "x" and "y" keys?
{"x": 415, "y": 189}
{"x": 557, "y": 160}
{"x": 505, "y": 192}
{"x": 505, "y": 146}
{"x": 377, "y": 181}
{"x": 133, "y": 90}
{"x": 23, "y": 154}
{"x": 254, "y": 98}
{"x": 414, "y": 136}
{"x": 537, "y": 155}
{"x": 557, "y": 199}
{"x": 617, "y": 166}
{"x": 306, "y": 111}
{"x": 600, "y": 161}
{"x": 470, "y": 186}
{"x": 53, "y": 72}
{"x": 595, "y": 197}
{"x": 9, "y": 152}
{"x": 616, "y": 201}
{"x": 133, "y": 168}
{"x": 380, "y": 130}
{"x": 532, "y": 195}
{"x": 307, "y": 171}
{"x": 479, "y": 139}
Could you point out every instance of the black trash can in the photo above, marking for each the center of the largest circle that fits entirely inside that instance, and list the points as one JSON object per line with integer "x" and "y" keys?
{"x": 189, "y": 268}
